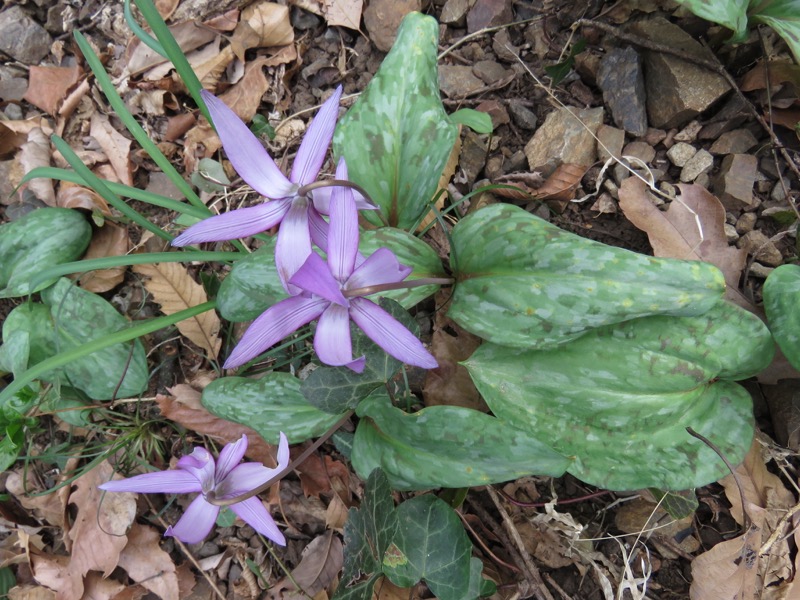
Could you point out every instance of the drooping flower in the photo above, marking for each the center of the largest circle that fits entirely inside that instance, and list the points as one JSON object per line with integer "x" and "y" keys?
{"x": 334, "y": 291}
{"x": 287, "y": 207}
{"x": 225, "y": 478}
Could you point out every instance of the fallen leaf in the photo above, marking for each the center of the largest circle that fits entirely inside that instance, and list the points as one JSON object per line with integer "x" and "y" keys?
{"x": 386, "y": 590}
{"x": 96, "y": 587}
{"x": 115, "y": 145}
{"x": 346, "y": 13}
{"x": 199, "y": 142}
{"x": 140, "y": 57}
{"x": 788, "y": 117}
{"x": 562, "y": 183}
{"x": 48, "y": 86}
{"x": 209, "y": 72}
{"x": 72, "y": 195}
{"x": 110, "y": 240}
{"x": 244, "y": 98}
{"x": 336, "y": 514}
{"x": 262, "y": 25}
{"x": 184, "y": 407}
{"x": 30, "y": 592}
{"x": 322, "y": 560}
{"x": 50, "y": 508}
{"x": 450, "y": 383}
{"x": 98, "y": 533}
{"x": 173, "y": 288}
{"x": 676, "y": 234}
{"x": 147, "y": 564}
{"x": 166, "y": 8}
{"x": 779, "y": 72}
{"x": 320, "y": 475}
{"x": 36, "y": 153}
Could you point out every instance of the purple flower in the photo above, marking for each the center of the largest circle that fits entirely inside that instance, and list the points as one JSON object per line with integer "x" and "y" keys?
{"x": 287, "y": 208}
{"x": 333, "y": 292}
{"x": 197, "y": 472}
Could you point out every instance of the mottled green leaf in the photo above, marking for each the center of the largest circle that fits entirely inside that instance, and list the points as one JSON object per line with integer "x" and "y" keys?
{"x": 269, "y": 405}
{"x": 367, "y": 534}
{"x": 40, "y": 239}
{"x": 410, "y": 251}
{"x": 430, "y": 544}
{"x": 252, "y": 286}
{"x": 446, "y": 446}
{"x": 783, "y": 16}
{"x": 69, "y": 318}
{"x": 728, "y": 13}
{"x": 525, "y": 283}
{"x": 619, "y": 399}
{"x": 337, "y": 389}
{"x": 397, "y": 138}
{"x": 679, "y": 504}
{"x": 782, "y": 305}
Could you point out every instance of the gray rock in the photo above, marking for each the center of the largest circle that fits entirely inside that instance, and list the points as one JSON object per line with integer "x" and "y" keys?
{"x": 677, "y": 91}
{"x": 23, "y": 39}
{"x": 622, "y": 82}
{"x": 503, "y": 48}
{"x": 654, "y": 136}
{"x": 760, "y": 248}
{"x": 605, "y": 205}
{"x": 522, "y": 116}
{"x": 778, "y": 193}
{"x": 698, "y": 165}
{"x": 609, "y": 141}
{"x": 689, "y": 133}
{"x": 490, "y": 71}
{"x": 641, "y": 150}
{"x": 489, "y": 13}
{"x": 457, "y": 81}
{"x": 733, "y": 184}
{"x": 746, "y": 223}
{"x": 730, "y": 233}
{"x": 737, "y": 141}
{"x": 760, "y": 271}
{"x": 455, "y": 11}
{"x": 680, "y": 153}
{"x": 473, "y": 155}
{"x": 566, "y": 136}
{"x": 382, "y": 19}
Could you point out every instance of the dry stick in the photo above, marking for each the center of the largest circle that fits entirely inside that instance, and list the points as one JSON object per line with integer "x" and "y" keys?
{"x": 483, "y": 545}
{"x": 540, "y": 591}
{"x": 773, "y": 538}
{"x": 712, "y": 65}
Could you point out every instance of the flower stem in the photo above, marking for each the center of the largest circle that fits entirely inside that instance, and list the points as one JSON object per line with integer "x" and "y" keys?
{"x": 400, "y": 285}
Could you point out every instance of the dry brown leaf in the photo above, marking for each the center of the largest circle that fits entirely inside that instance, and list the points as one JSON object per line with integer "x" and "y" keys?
{"x": 450, "y": 383}
{"x": 147, "y": 564}
{"x": 30, "y": 592}
{"x": 48, "y": 86}
{"x": 244, "y": 98}
{"x": 97, "y": 587}
{"x": 10, "y": 141}
{"x": 675, "y": 233}
{"x": 262, "y": 25}
{"x": 199, "y": 142}
{"x": 72, "y": 195}
{"x": 98, "y": 533}
{"x": 386, "y": 590}
{"x": 210, "y": 71}
{"x": 346, "y": 13}
{"x": 166, "y": 8}
{"x": 184, "y": 407}
{"x": 225, "y": 22}
{"x": 50, "y": 508}
{"x": 320, "y": 475}
{"x": 36, "y": 153}
{"x": 189, "y": 35}
{"x": 53, "y": 571}
{"x": 173, "y": 288}
{"x": 779, "y": 72}
{"x": 110, "y": 240}
{"x": 115, "y": 145}
{"x": 336, "y": 514}
{"x": 787, "y": 117}
{"x": 320, "y": 565}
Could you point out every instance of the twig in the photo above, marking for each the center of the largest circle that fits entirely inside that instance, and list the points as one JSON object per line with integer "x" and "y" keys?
{"x": 483, "y": 545}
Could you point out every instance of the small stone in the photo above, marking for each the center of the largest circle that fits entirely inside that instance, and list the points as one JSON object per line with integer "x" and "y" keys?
{"x": 516, "y": 162}
{"x": 473, "y": 155}
{"x": 654, "y": 136}
{"x": 382, "y": 19}
{"x": 700, "y": 163}
{"x": 622, "y": 82}
{"x": 703, "y": 180}
{"x": 605, "y": 205}
{"x": 737, "y": 141}
{"x": 730, "y": 233}
{"x": 489, "y": 13}
{"x": 490, "y": 71}
{"x": 689, "y": 133}
{"x": 496, "y": 111}
{"x": 457, "y": 81}
{"x": 587, "y": 65}
{"x": 503, "y": 48}
{"x": 566, "y": 136}
{"x": 13, "y": 112}
{"x": 733, "y": 185}
{"x": 23, "y": 39}
{"x": 641, "y": 150}
{"x": 746, "y": 223}
{"x": 522, "y": 116}
{"x": 494, "y": 167}
{"x": 669, "y": 189}
{"x": 609, "y": 142}
{"x": 680, "y": 154}
{"x": 778, "y": 193}
{"x": 12, "y": 87}
{"x": 760, "y": 271}
{"x": 761, "y": 248}
{"x": 768, "y": 167}
{"x": 455, "y": 11}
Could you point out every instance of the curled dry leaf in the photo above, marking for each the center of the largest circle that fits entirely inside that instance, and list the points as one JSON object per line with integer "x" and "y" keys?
{"x": 676, "y": 233}
{"x": 139, "y": 57}
{"x": 174, "y": 289}
{"x": 323, "y": 475}
{"x": 110, "y": 240}
{"x": 560, "y": 187}
{"x": 72, "y": 195}
{"x": 244, "y": 98}
{"x": 262, "y": 25}
{"x": 115, "y": 145}
{"x": 450, "y": 384}
{"x": 53, "y": 571}
{"x": 322, "y": 560}
{"x": 50, "y": 508}
{"x": 346, "y": 13}
{"x": 48, "y": 86}
{"x": 147, "y": 564}
{"x": 36, "y": 153}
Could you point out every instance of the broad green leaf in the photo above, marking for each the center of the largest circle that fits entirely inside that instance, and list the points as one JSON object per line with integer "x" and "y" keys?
{"x": 397, "y": 138}
{"x": 523, "y": 282}
{"x": 252, "y": 286}
{"x": 337, "y": 389}
{"x": 11, "y": 445}
{"x": 410, "y": 251}
{"x": 269, "y": 405}
{"x": 728, "y": 13}
{"x": 446, "y": 446}
{"x": 367, "y": 534}
{"x": 40, "y": 239}
{"x": 478, "y": 121}
{"x": 679, "y": 505}
{"x": 782, "y": 305}
{"x": 70, "y": 318}
{"x": 619, "y": 399}
{"x": 431, "y": 544}
{"x": 783, "y": 16}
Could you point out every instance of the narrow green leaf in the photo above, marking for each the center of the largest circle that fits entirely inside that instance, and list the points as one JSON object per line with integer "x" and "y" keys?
{"x": 476, "y": 120}
{"x": 137, "y": 30}
{"x": 728, "y": 13}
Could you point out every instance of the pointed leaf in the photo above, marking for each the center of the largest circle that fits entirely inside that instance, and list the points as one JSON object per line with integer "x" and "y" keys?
{"x": 782, "y": 304}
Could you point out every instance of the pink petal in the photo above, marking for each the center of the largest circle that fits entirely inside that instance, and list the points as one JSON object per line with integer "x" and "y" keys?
{"x": 245, "y": 152}
{"x": 294, "y": 243}
{"x": 332, "y": 341}
{"x": 318, "y": 227}
{"x": 283, "y": 452}
{"x": 315, "y": 277}
{"x": 229, "y": 457}
{"x": 314, "y": 146}
{"x": 253, "y": 513}
{"x": 248, "y": 476}
{"x": 389, "y": 334}
{"x": 381, "y": 267}
{"x": 196, "y": 522}
{"x": 273, "y": 325}
{"x": 343, "y": 232}
{"x": 160, "y": 482}
{"x": 322, "y": 200}
{"x": 239, "y": 223}
{"x": 200, "y": 463}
